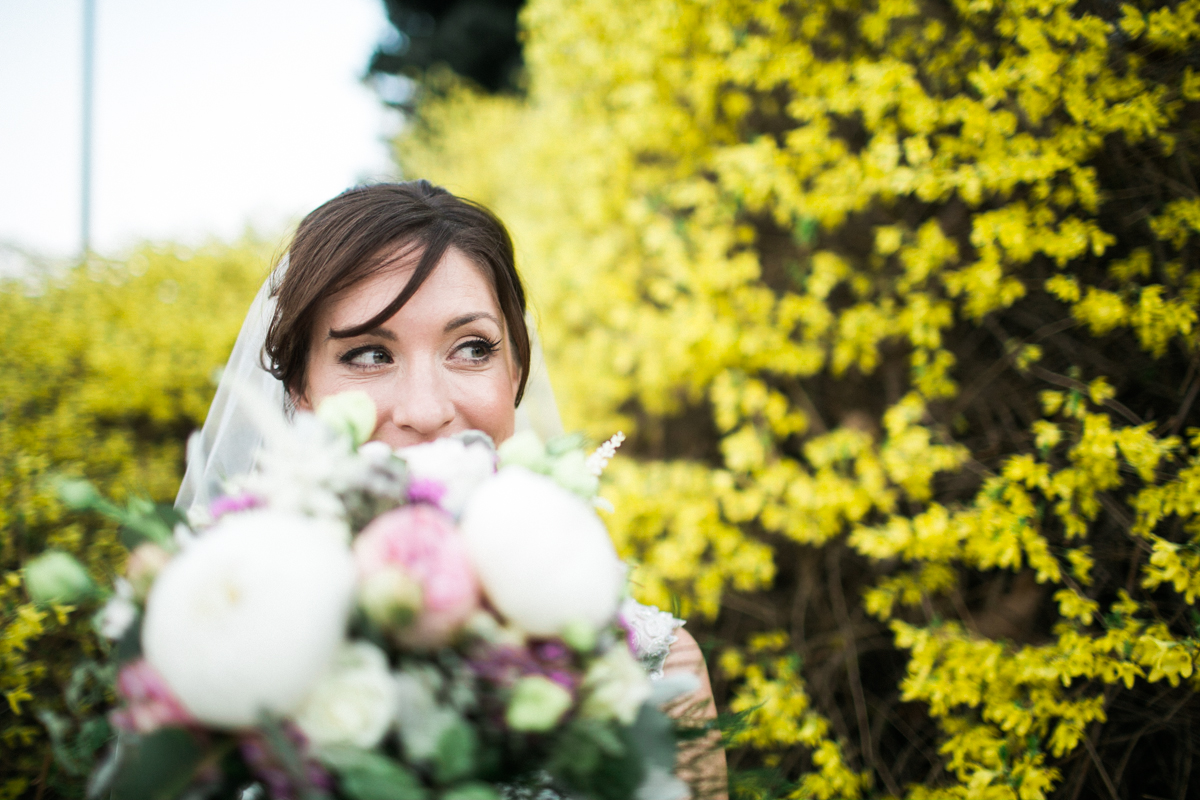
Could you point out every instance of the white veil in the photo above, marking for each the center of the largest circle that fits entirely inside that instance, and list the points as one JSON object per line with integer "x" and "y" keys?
{"x": 229, "y": 442}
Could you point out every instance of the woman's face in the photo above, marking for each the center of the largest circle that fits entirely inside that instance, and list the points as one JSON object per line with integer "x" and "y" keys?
{"x": 441, "y": 364}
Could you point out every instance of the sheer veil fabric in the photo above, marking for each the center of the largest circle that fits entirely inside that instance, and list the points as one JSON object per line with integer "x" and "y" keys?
{"x": 230, "y": 440}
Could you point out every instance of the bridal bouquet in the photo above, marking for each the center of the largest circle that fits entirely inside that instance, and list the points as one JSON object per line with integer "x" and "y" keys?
{"x": 443, "y": 621}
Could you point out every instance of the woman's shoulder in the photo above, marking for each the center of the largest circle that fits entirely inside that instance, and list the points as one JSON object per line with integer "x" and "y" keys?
{"x": 651, "y": 634}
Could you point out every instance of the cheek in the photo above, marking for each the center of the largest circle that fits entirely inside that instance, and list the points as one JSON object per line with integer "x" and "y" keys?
{"x": 491, "y": 410}
{"x": 316, "y": 387}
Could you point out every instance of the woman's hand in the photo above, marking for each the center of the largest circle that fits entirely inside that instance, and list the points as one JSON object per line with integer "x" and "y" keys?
{"x": 701, "y": 763}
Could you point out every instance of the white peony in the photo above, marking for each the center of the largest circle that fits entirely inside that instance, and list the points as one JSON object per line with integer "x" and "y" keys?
{"x": 458, "y": 463}
{"x": 354, "y": 702}
{"x": 543, "y": 556}
{"x": 250, "y": 615}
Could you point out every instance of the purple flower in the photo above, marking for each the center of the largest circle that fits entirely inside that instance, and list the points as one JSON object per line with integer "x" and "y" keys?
{"x": 232, "y": 504}
{"x": 551, "y": 651}
{"x": 268, "y": 767}
{"x": 426, "y": 490}
{"x": 563, "y": 679}
{"x": 504, "y": 666}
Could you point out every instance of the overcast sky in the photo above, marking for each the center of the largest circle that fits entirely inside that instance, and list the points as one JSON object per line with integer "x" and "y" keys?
{"x": 208, "y": 116}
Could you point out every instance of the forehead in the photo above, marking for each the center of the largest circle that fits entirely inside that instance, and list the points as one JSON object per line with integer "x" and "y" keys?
{"x": 457, "y": 283}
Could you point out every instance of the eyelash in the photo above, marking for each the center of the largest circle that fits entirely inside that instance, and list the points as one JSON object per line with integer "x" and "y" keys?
{"x": 348, "y": 357}
{"x": 491, "y": 347}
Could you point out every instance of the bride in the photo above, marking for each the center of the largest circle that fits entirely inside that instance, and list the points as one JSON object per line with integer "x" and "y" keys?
{"x": 411, "y": 295}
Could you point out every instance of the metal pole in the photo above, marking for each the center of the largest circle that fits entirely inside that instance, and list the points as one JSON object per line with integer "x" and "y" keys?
{"x": 89, "y": 57}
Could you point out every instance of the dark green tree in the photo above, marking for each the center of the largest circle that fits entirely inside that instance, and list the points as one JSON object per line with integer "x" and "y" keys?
{"x": 477, "y": 39}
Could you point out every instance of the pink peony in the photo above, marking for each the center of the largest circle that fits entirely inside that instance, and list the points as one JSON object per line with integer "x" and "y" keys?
{"x": 149, "y": 704}
{"x": 423, "y": 542}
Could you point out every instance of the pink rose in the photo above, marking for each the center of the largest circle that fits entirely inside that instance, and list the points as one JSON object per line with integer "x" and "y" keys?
{"x": 149, "y": 704}
{"x": 422, "y": 541}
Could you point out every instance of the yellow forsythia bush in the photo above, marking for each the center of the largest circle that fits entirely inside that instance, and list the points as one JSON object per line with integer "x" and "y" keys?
{"x": 104, "y": 371}
{"x": 897, "y": 300}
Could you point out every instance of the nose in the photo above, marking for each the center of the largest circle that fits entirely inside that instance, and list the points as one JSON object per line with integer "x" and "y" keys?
{"x": 424, "y": 408}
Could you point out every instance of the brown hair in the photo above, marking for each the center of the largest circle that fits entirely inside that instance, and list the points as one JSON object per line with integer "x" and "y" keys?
{"x": 357, "y": 234}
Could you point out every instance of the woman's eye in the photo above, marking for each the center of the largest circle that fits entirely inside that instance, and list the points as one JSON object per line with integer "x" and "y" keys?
{"x": 367, "y": 357}
{"x": 478, "y": 350}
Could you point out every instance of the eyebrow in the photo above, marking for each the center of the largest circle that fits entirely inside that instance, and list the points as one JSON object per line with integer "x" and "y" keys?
{"x": 457, "y": 322}
{"x": 381, "y": 332}
{"x": 467, "y": 319}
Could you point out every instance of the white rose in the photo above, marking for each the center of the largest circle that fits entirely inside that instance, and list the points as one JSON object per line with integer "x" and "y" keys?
{"x": 354, "y": 702}
{"x": 616, "y": 686}
{"x": 119, "y": 612}
{"x": 349, "y": 413}
{"x": 458, "y": 463}
{"x": 543, "y": 556}
{"x": 249, "y": 615}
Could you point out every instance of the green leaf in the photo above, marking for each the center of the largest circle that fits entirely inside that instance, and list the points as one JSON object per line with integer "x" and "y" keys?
{"x": 474, "y": 790}
{"x": 141, "y": 520}
{"x": 805, "y": 230}
{"x": 91, "y": 684}
{"x": 288, "y": 755}
{"x": 563, "y": 443}
{"x": 78, "y": 494}
{"x": 455, "y": 755}
{"x": 598, "y": 759}
{"x": 59, "y": 728}
{"x": 56, "y": 576}
{"x": 144, "y": 521}
{"x": 733, "y": 724}
{"x": 158, "y": 766}
{"x": 368, "y": 775}
{"x": 129, "y": 646}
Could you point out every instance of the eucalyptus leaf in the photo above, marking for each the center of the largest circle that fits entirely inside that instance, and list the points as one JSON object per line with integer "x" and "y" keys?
{"x": 454, "y": 758}
{"x": 653, "y": 736}
{"x": 561, "y": 444}
{"x": 91, "y": 683}
{"x": 105, "y": 772}
{"x": 129, "y": 646}
{"x": 598, "y": 760}
{"x": 368, "y": 775}
{"x": 75, "y": 750}
{"x": 288, "y": 754}
{"x": 143, "y": 520}
{"x": 157, "y": 766}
